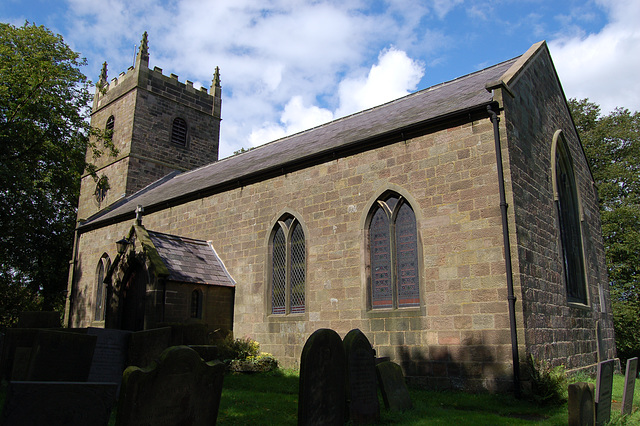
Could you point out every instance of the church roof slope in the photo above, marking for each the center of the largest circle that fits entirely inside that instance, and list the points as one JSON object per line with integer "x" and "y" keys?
{"x": 190, "y": 261}
{"x": 359, "y": 131}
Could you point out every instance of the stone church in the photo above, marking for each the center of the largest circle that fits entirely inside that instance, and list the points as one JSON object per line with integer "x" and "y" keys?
{"x": 457, "y": 227}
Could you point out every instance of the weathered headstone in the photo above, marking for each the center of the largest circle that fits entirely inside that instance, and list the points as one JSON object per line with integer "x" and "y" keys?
{"x": 16, "y": 351}
{"x": 61, "y": 357}
{"x": 604, "y": 387}
{"x": 395, "y": 393}
{"x": 602, "y": 352}
{"x": 180, "y": 389}
{"x": 362, "y": 392}
{"x": 110, "y": 354}
{"x": 582, "y": 409}
{"x": 321, "y": 393}
{"x": 629, "y": 385}
{"x": 39, "y": 319}
{"x": 147, "y": 345}
{"x": 58, "y": 403}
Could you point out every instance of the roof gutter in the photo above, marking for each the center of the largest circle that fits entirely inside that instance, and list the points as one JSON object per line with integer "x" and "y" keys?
{"x": 507, "y": 253}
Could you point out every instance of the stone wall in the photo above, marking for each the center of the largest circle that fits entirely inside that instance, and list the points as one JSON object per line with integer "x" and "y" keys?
{"x": 556, "y": 330}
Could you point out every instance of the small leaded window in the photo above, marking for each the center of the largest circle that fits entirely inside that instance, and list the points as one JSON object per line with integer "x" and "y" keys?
{"x": 196, "y": 304}
{"x": 109, "y": 127}
{"x": 179, "y": 132}
{"x": 288, "y": 273}
{"x": 101, "y": 289}
{"x": 567, "y": 204}
{"x": 393, "y": 254}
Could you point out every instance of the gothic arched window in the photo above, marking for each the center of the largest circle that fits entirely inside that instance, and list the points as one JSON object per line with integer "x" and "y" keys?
{"x": 179, "y": 132}
{"x": 393, "y": 254}
{"x": 568, "y": 207}
{"x": 109, "y": 127}
{"x": 288, "y": 267}
{"x": 196, "y": 304}
{"x": 101, "y": 288}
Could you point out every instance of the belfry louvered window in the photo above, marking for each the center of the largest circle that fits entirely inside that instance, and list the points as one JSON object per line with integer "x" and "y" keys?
{"x": 393, "y": 254}
{"x": 288, "y": 273}
{"x": 568, "y": 207}
{"x": 179, "y": 132}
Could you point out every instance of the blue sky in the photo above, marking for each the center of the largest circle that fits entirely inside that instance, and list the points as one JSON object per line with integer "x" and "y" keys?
{"x": 288, "y": 65}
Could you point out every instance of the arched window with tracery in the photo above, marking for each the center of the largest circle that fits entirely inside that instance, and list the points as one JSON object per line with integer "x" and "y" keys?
{"x": 196, "y": 303}
{"x": 393, "y": 254}
{"x": 567, "y": 203}
{"x": 288, "y": 267}
{"x": 101, "y": 288}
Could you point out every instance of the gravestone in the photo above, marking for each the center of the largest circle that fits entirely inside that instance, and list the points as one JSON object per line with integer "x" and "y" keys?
{"x": 604, "y": 387}
{"x": 629, "y": 385}
{"x": 110, "y": 354}
{"x": 58, "y": 403}
{"x": 602, "y": 352}
{"x": 147, "y": 345}
{"x": 362, "y": 391}
{"x": 39, "y": 319}
{"x": 581, "y": 405}
{"x": 61, "y": 357}
{"x": 395, "y": 393}
{"x": 321, "y": 393}
{"x": 16, "y": 351}
{"x": 179, "y": 389}
{"x": 206, "y": 352}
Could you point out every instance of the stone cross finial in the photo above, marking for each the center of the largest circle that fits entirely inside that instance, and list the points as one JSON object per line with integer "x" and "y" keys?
{"x": 103, "y": 74}
{"x": 143, "y": 53}
{"x": 139, "y": 211}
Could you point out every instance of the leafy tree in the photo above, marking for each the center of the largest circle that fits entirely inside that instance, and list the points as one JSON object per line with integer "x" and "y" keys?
{"x": 44, "y": 134}
{"x": 612, "y": 145}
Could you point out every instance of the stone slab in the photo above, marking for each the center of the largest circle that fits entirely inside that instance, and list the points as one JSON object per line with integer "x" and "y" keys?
{"x": 362, "y": 391}
{"x": 39, "y": 319}
{"x": 321, "y": 391}
{"x": 581, "y": 404}
{"x": 110, "y": 354}
{"x": 147, "y": 345}
{"x": 61, "y": 357}
{"x": 395, "y": 393}
{"x": 629, "y": 385}
{"x": 179, "y": 389}
{"x": 604, "y": 388}
{"x": 58, "y": 403}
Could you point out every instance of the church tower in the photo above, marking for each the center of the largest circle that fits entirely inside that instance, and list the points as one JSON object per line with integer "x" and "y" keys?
{"x": 158, "y": 125}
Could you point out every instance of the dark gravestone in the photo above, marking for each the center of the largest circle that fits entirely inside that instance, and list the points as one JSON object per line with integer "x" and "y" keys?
{"x": 581, "y": 405}
{"x": 16, "y": 351}
{"x": 110, "y": 355}
{"x": 629, "y": 385}
{"x": 58, "y": 403}
{"x": 321, "y": 394}
{"x": 61, "y": 357}
{"x": 39, "y": 319}
{"x": 362, "y": 392}
{"x": 206, "y": 352}
{"x": 602, "y": 352}
{"x": 604, "y": 386}
{"x": 147, "y": 345}
{"x": 180, "y": 389}
{"x": 394, "y": 389}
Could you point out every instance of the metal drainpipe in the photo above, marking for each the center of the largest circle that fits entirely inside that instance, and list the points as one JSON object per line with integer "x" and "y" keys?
{"x": 507, "y": 253}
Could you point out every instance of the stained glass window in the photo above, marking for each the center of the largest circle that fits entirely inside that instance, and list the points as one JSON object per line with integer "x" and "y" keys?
{"x": 288, "y": 274}
{"x": 393, "y": 255}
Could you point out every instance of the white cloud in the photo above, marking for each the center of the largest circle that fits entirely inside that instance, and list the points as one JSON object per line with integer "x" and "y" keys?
{"x": 394, "y": 76}
{"x": 603, "y": 66}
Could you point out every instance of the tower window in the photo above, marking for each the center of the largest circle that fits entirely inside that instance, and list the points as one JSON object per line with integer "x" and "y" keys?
{"x": 101, "y": 289}
{"x": 109, "y": 127}
{"x": 288, "y": 267}
{"x": 179, "y": 132}
{"x": 196, "y": 304}
{"x": 393, "y": 254}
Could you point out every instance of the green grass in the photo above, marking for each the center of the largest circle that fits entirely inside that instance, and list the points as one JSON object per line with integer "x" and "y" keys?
{"x": 272, "y": 399}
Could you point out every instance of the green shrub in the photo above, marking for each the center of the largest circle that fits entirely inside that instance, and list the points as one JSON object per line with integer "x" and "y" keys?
{"x": 548, "y": 383}
{"x": 261, "y": 363}
{"x": 238, "y": 349}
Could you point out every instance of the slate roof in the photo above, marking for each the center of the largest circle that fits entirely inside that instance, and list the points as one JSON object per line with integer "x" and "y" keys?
{"x": 358, "y": 130}
{"x": 190, "y": 261}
